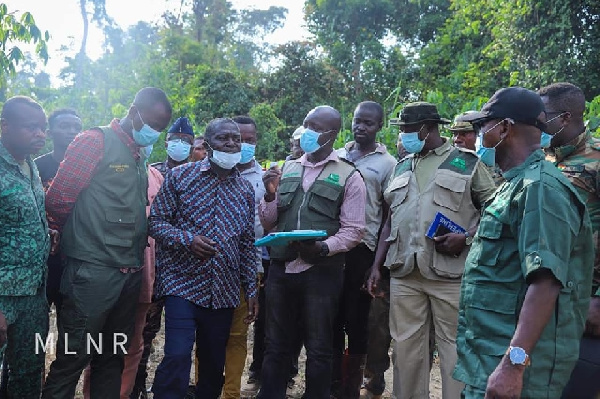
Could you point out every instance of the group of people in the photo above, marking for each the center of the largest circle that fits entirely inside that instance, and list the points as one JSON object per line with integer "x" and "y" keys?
{"x": 484, "y": 247}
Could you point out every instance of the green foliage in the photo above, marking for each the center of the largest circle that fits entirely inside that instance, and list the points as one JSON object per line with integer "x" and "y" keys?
{"x": 273, "y": 136}
{"x": 18, "y": 30}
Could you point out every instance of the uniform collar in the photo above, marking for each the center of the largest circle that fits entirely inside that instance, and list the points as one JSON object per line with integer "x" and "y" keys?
{"x": 575, "y": 145}
{"x": 535, "y": 156}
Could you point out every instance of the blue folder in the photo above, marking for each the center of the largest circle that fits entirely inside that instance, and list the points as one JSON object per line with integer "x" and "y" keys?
{"x": 285, "y": 237}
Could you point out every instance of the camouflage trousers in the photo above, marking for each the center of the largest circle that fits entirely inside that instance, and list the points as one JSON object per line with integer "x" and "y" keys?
{"x": 27, "y": 319}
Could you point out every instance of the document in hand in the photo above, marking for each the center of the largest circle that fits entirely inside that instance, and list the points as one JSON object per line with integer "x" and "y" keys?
{"x": 285, "y": 237}
{"x": 441, "y": 225}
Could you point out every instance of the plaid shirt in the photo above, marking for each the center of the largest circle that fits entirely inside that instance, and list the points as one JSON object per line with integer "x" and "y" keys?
{"x": 77, "y": 170}
{"x": 194, "y": 201}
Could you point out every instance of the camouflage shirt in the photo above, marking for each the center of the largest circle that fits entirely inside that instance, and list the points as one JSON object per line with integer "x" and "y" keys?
{"x": 579, "y": 160}
{"x": 24, "y": 239}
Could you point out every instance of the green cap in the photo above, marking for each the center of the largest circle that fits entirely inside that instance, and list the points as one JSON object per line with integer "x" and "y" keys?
{"x": 418, "y": 112}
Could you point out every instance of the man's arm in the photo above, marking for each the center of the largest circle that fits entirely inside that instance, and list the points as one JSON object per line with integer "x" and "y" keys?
{"x": 383, "y": 245}
{"x": 162, "y": 216}
{"x": 74, "y": 175}
{"x": 352, "y": 217}
{"x": 507, "y": 380}
{"x": 267, "y": 209}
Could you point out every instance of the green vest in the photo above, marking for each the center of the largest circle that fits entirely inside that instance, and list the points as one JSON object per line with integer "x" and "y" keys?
{"x": 108, "y": 225}
{"x": 317, "y": 209}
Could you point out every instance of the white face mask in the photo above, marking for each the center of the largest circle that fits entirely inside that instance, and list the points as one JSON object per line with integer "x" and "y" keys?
{"x": 226, "y": 160}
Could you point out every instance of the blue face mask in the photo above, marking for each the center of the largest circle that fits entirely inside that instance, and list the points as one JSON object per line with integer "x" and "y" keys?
{"x": 248, "y": 151}
{"x": 178, "y": 150}
{"x": 411, "y": 141}
{"x": 146, "y": 135}
{"x": 487, "y": 155}
{"x": 545, "y": 140}
{"x": 309, "y": 141}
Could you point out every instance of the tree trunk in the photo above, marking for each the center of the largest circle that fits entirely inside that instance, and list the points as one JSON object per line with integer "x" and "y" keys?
{"x": 81, "y": 54}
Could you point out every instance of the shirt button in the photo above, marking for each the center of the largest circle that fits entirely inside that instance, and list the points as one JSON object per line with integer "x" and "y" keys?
{"x": 570, "y": 284}
{"x": 537, "y": 260}
{"x": 119, "y": 220}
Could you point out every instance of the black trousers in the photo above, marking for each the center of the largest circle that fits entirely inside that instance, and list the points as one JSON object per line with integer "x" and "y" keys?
{"x": 311, "y": 297}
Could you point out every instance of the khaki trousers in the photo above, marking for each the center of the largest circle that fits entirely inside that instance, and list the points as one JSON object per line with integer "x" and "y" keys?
{"x": 235, "y": 356}
{"x": 413, "y": 299}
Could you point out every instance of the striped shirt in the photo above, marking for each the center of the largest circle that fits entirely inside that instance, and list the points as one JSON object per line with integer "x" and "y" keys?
{"x": 193, "y": 201}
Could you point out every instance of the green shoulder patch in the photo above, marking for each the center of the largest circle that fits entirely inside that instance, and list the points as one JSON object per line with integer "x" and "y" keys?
{"x": 291, "y": 174}
{"x": 333, "y": 178}
{"x": 459, "y": 163}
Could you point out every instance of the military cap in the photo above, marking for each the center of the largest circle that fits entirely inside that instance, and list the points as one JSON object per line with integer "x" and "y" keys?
{"x": 460, "y": 124}
{"x": 181, "y": 125}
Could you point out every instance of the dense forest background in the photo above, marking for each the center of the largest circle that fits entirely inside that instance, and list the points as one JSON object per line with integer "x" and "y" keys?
{"x": 213, "y": 61}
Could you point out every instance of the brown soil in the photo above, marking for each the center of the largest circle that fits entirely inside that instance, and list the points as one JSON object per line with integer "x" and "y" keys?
{"x": 155, "y": 357}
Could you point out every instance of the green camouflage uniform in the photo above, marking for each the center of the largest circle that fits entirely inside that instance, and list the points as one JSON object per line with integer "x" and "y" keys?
{"x": 579, "y": 161}
{"x": 535, "y": 220}
{"x": 24, "y": 248}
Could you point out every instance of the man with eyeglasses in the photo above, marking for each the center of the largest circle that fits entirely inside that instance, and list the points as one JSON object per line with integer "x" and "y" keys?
{"x": 525, "y": 290}
{"x": 573, "y": 149}
{"x": 98, "y": 201}
{"x": 24, "y": 246}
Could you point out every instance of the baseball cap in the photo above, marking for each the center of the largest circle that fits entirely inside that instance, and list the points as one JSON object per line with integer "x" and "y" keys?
{"x": 418, "y": 112}
{"x": 520, "y": 104}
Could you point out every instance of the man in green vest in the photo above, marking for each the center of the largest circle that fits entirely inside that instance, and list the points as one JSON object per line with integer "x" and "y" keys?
{"x": 317, "y": 191}
{"x": 426, "y": 271}
{"x": 98, "y": 201}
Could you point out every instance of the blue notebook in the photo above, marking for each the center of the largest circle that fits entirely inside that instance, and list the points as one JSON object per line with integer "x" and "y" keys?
{"x": 285, "y": 237}
{"x": 441, "y": 225}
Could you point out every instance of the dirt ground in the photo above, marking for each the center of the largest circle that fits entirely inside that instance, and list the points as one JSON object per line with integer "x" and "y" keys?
{"x": 296, "y": 392}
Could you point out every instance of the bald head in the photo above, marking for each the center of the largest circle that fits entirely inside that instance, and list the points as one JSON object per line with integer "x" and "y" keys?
{"x": 326, "y": 115}
{"x": 148, "y": 97}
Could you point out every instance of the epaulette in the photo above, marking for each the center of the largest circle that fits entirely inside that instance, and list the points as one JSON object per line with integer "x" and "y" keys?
{"x": 348, "y": 162}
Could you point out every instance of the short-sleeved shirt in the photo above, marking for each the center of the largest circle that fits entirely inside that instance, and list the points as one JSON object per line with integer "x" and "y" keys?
{"x": 376, "y": 169}
{"x": 535, "y": 220}
{"x": 579, "y": 161}
{"x": 24, "y": 240}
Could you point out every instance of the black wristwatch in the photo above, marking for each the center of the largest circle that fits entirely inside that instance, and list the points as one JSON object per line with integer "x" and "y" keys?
{"x": 324, "y": 249}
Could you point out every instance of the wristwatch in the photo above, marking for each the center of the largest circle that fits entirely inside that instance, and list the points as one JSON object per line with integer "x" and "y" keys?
{"x": 518, "y": 356}
{"x": 468, "y": 238}
{"x": 324, "y": 249}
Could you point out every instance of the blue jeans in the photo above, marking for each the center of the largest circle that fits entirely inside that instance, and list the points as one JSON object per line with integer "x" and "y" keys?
{"x": 182, "y": 318}
{"x": 311, "y": 297}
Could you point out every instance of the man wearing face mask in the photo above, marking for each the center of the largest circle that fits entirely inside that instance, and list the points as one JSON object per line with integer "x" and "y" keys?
{"x": 180, "y": 138}
{"x": 317, "y": 191}
{"x": 203, "y": 222}
{"x": 425, "y": 273}
{"x": 527, "y": 281}
{"x": 575, "y": 152}
{"x": 98, "y": 201}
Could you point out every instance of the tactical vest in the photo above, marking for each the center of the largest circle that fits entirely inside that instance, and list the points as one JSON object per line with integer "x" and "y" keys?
{"x": 108, "y": 225}
{"x": 412, "y": 212}
{"x": 316, "y": 209}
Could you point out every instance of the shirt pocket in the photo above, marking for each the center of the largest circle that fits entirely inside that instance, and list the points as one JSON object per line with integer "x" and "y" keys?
{"x": 324, "y": 201}
{"x": 120, "y": 228}
{"x": 449, "y": 191}
{"x": 491, "y": 319}
{"x": 490, "y": 244}
{"x": 285, "y": 193}
{"x": 396, "y": 192}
